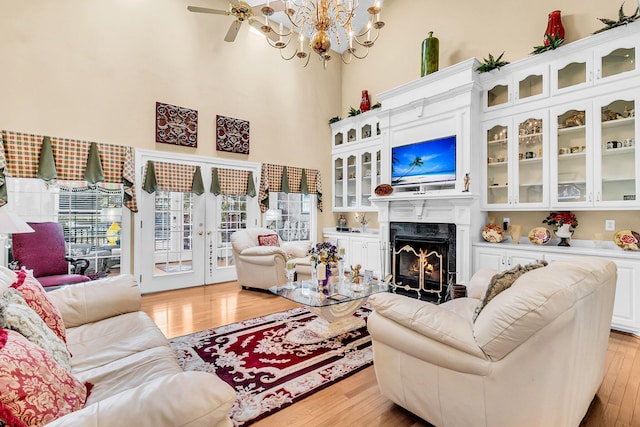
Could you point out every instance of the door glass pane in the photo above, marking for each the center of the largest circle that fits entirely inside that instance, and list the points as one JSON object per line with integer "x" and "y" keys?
{"x": 573, "y": 74}
{"x": 572, "y": 156}
{"x": 530, "y": 161}
{"x": 173, "y": 232}
{"x": 338, "y": 173}
{"x": 530, "y": 86}
{"x": 497, "y": 95}
{"x": 618, "y": 61}
{"x": 232, "y": 216}
{"x": 618, "y": 151}
{"x": 351, "y": 181}
{"x": 295, "y": 220}
{"x": 367, "y": 169}
{"x": 497, "y": 170}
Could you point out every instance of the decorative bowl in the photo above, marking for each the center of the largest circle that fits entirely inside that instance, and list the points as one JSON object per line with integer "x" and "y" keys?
{"x": 383, "y": 190}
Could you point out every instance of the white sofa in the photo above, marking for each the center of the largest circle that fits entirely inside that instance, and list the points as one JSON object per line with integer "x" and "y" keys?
{"x": 533, "y": 357}
{"x": 262, "y": 267}
{"x": 134, "y": 372}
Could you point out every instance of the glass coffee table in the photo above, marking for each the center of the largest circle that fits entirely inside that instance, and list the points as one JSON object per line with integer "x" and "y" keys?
{"x": 335, "y": 311}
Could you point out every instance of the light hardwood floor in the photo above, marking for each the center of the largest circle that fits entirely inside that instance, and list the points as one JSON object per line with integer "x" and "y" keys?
{"x": 356, "y": 401}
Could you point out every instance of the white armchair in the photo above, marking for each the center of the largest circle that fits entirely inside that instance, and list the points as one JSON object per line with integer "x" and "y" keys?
{"x": 535, "y": 355}
{"x": 263, "y": 266}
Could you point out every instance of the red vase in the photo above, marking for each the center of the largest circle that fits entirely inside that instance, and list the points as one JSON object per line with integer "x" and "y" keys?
{"x": 554, "y": 27}
{"x": 365, "y": 104}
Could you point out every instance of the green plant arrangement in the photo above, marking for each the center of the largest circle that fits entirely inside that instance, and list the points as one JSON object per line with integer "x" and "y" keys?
{"x": 554, "y": 43}
{"x": 353, "y": 112}
{"x": 335, "y": 119}
{"x": 622, "y": 19}
{"x": 492, "y": 63}
{"x": 376, "y": 105}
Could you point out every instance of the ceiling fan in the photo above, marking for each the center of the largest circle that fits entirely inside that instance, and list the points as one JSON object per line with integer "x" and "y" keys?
{"x": 242, "y": 11}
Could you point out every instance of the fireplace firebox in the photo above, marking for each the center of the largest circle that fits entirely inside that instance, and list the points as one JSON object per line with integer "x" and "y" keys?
{"x": 423, "y": 259}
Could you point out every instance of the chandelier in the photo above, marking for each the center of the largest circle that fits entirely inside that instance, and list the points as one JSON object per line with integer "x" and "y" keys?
{"x": 318, "y": 21}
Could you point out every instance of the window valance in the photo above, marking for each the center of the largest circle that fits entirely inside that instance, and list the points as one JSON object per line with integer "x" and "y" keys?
{"x": 288, "y": 179}
{"x": 56, "y": 159}
{"x": 232, "y": 182}
{"x": 172, "y": 177}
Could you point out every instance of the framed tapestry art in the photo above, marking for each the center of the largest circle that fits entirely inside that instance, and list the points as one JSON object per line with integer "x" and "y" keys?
{"x": 176, "y": 125}
{"x": 232, "y": 135}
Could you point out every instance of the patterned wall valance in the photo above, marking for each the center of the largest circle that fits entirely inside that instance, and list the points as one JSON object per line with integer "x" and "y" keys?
{"x": 288, "y": 179}
{"x": 52, "y": 158}
{"x": 172, "y": 177}
{"x": 232, "y": 182}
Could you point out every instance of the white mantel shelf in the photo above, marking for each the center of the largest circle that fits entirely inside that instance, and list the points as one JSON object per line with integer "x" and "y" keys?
{"x": 426, "y": 195}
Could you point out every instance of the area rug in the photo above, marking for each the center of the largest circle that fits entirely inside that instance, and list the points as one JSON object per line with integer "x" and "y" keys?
{"x": 273, "y": 361}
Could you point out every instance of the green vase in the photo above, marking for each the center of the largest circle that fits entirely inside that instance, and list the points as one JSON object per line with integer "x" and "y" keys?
{"x": 430, "y": 48}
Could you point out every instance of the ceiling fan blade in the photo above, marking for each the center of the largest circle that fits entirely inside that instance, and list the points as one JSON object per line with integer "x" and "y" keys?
{"x": 233, "y": 31}
{"x": 260, "y": 25}
{"x": 234, "y": 2}
{"x": 206, "y": 10}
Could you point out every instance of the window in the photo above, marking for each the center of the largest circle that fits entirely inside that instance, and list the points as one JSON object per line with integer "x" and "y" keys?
{"x": 233, "y": 216}
{"x": 295, "y": 219}
{"x": 90, "y": 219}
{"x": 173, "y": 231}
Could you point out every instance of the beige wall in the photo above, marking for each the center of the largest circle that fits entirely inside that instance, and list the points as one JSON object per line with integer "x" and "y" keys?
{"x": 94, "y": 69}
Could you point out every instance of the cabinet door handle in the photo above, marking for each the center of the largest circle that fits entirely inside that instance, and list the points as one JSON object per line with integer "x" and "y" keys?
{"x": 501, "y": 260}
{"x": 589, "y": 197}
{"x": 598, "y": 197}
{"x": 599, "y": 74}
{"x": 590, "y": 76}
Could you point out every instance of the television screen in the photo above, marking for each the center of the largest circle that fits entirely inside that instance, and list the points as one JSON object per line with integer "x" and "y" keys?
{"x": 424, "y": 162}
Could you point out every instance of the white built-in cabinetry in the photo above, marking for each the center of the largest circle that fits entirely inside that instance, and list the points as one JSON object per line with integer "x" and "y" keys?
{"x": 626, "y": 310}
{"x": 360, "y": 248}
{"x": 356, "y": 157}
{"x": 559, "y": 129}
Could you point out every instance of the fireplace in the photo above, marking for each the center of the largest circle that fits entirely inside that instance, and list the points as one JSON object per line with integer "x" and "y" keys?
{"x": 423, "y": 259}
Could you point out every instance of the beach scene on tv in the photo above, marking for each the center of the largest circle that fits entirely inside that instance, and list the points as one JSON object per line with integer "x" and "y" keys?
{"x": 424, "y": 162}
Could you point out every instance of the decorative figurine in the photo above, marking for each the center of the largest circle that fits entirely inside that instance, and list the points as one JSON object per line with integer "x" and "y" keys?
{"x": 355, "y": 273}
{"x": 467, "y": 181}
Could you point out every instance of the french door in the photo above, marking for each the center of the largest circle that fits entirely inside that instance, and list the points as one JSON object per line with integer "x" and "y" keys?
{"x": 183, "y": 239}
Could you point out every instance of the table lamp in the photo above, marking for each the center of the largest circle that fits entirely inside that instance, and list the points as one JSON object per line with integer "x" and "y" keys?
{"x": 273, "y": 215}
{"x": 10, "y": 223}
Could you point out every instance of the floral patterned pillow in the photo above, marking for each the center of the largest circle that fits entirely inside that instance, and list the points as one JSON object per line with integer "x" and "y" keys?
{"x": 34, "y": 389}
{"x": 15, "y": 314}
{"x": 36, "y": 298}
{"x": 268, "y": 240}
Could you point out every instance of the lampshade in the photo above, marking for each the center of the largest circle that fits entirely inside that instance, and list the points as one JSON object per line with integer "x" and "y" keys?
{"x": 110, "y": 214}
{"x": 273, "y": 215}
{"x": 10, "y": 223}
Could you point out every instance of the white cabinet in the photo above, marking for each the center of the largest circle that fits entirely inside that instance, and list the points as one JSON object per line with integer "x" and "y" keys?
{"x": 596, "y": 159}
{"x": 517, "y": 164}
{"x": 356, "y": 163}
{"x": 509, "y": 89}
{"x": 360, "y": 248}
{"x": 626, "y": 310}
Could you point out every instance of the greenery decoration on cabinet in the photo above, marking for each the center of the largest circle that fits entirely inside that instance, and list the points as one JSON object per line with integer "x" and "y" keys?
{"x": 622, "y": 19}
{"x": 492, "y": 63}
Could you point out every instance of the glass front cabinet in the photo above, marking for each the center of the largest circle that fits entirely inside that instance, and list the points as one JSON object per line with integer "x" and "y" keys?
{"x": 596, "y": 157}
{"x": 523, "y": 86}
{"x": 356, "y": 175}
{"x": 516, "y": 162}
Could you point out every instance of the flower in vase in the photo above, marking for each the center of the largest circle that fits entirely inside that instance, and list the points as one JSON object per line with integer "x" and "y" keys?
{"x": 324, "y": 253}
{"x": 561, "y": 218}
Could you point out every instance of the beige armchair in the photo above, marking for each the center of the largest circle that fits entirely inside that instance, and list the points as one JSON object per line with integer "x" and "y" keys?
{"x": 535, "y": 355}
{"x": 263, "y": 266}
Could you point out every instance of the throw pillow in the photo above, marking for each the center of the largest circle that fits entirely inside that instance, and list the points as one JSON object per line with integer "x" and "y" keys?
{"x": 36, "y": 298}
{"x": 15, "y": 314}
{"x": 268, "y": 240}
{"x": 34, "y": 389}
{"x": 503, "y": 281}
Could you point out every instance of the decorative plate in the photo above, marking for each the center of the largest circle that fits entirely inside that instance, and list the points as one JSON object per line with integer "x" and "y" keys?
{"x": 539, "y": 236}
{"x": 383, "y": 190}
{"x": 627, "y": 240}
{"x": 492, "y": 233}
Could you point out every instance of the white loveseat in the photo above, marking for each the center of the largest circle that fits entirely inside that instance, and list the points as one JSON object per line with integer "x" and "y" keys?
{"x": 533, "y": 357}
{"x": 134, "y": 373}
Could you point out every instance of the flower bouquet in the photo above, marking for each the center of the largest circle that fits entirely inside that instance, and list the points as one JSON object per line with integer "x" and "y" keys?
{"x": 561, "y": 218}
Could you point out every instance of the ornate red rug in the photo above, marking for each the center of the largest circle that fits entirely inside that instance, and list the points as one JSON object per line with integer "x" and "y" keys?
{"x": 273, "y": 361}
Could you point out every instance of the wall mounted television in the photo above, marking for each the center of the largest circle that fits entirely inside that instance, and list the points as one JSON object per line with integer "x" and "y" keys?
{"x": 425, "y": 162}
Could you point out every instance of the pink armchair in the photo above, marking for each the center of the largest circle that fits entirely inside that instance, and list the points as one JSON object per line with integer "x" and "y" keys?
{"x": 44, "y": 252}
